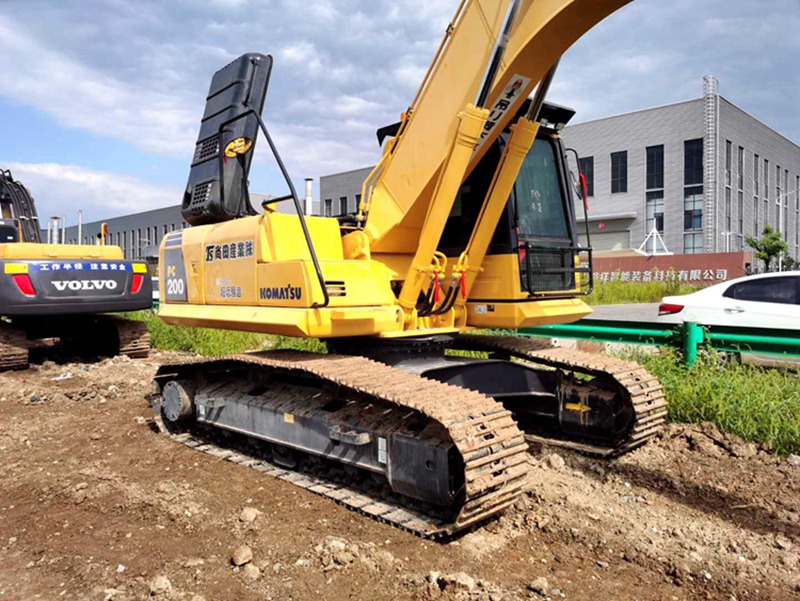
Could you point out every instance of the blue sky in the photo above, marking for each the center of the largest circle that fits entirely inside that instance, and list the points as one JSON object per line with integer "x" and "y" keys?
{"x": 100, "y": 100}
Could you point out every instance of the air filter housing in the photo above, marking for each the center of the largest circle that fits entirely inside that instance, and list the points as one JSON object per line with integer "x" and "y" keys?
{"x": 217, "y": 188}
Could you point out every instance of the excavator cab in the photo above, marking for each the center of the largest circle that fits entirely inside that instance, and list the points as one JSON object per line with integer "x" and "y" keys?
{"x": 535, "y": 254}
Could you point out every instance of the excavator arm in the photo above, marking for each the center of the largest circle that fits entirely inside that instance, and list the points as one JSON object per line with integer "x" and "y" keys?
{"x": 399, "y": 195}
{"x": 17, "y": 211}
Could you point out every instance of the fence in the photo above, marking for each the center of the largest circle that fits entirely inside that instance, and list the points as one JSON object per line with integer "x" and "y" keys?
{"x": 688, "y": 337}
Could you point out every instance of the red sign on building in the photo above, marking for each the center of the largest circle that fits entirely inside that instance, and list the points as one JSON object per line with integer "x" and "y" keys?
{"x": 699, "y": 269}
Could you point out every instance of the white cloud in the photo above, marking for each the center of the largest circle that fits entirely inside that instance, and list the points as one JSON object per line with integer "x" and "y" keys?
{"x": 64, "y": 189}
{"x": 344, "y": 68}
{"x": 80, "y": 96}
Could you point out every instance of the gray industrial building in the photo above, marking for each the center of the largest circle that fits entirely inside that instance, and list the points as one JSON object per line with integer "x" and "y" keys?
{"x": 138, "y": 234}
{"x": 703, "y": 172}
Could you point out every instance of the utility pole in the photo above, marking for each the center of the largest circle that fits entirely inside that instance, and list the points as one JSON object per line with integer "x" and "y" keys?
{"x": 779, "y": 203}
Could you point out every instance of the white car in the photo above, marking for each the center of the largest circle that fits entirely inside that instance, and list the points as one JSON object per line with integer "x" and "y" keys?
{"x": 767, "y": 300}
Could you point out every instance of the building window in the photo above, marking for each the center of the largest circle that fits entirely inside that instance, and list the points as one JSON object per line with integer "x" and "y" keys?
{"x": 728, "y": 147}
{"x": 728, "y": 209}
{"x": 766, "y": 179}
{"x": 693, "y": 208}
{"x": 785, "y": 202}
{"x": 740, "y": 171}
{"x": 328, "y": 210}
{"x": 755, "y": 215}
{"x": 655, "y": 167}
{"x": 343, "y": 205}
{"x": 756, "y": 185}
{"x": 740, "y": 212}
{"x": 619, "y": 172}
{"x": 358, "y": 202}
{"x": 693, "y": 162}
{"x": 655, "y": 211}
{"x": 586, "y": 167}
{"x": 692, "y": 244}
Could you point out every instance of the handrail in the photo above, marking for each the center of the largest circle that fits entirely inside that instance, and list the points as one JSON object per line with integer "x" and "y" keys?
{"x": 292, "y": 190}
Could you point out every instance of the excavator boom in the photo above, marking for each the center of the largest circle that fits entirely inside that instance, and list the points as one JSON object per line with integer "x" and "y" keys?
{"x": 399, "y": 196}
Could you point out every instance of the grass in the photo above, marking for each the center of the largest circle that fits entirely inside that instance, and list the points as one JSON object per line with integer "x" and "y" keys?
{"x": 215, "y": 343}
{"x": 756, "y": 404}
{"x": 618, "y": 292}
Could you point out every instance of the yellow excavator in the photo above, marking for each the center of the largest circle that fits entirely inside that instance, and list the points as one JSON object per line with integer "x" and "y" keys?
{"x": 64, "y": 291}
{"x": 467, "y": 222}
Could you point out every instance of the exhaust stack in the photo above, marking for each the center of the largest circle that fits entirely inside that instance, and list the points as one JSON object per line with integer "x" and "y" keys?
{"x": 309, "y": 209}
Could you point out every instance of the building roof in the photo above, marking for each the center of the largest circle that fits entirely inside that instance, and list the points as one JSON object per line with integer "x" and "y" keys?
{"x": 633, "y": 112}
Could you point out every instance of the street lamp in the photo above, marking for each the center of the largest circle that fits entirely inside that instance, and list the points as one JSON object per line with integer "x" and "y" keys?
{"x": 727, "y": 240}
{"x": 779, "y": 202}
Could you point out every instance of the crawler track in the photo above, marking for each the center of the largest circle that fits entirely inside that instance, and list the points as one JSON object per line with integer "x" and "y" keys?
{"x": 134, "y": 339}
{"x": 640, "y": 387}
{"x": 14, "y": 348}
{"x": 492, "y": 448}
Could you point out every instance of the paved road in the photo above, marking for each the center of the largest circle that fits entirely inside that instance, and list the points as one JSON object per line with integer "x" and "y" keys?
{"x": 638, "y": 312}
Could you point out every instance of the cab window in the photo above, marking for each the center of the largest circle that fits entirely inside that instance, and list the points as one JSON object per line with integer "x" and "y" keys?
{"x": 766, "y": 290}
{"x": 8, "y": 234}
{"x": 540, "y": 204}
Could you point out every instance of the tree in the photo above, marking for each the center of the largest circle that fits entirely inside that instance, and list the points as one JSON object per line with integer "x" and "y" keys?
{"x": 768, "y": 247}
{"x": 789, "y": 263}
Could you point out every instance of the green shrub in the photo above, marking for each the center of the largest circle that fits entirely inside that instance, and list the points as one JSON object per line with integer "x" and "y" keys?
{"x": 757, "y": 404}
{"x": 617, "y": 292}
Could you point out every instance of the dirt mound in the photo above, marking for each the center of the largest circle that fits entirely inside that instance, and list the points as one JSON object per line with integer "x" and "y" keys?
{"x": 96, "y": 505}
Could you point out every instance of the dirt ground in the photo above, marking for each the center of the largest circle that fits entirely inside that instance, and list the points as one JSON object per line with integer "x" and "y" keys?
{"x": 95, "y": 505}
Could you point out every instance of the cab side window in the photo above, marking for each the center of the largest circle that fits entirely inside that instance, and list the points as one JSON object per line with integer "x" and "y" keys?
{"x": 766, "y": 290}
{"x": 8, "y": 234}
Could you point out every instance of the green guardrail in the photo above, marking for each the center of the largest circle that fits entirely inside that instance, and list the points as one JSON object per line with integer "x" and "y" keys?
{"x": 688, "y": 337}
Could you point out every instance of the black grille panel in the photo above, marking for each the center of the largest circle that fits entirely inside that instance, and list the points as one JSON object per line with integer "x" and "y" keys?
{"x": 201, "y": 194}
{"x": 546, "y": 270}
{"x": 207, "y": 149}
{"x": 336, "y": 288}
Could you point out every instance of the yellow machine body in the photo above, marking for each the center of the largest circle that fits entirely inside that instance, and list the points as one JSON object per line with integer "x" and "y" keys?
{"x": 33, "y": 251}
{"x": 377, "y": 271}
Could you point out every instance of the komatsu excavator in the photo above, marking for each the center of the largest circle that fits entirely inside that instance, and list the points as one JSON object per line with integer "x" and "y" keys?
{"x": 467, "y": 222}
{"x": 63, "y": 290}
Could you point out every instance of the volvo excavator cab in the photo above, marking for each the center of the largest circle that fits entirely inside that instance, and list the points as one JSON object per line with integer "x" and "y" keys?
{"x": 9, "y": 231}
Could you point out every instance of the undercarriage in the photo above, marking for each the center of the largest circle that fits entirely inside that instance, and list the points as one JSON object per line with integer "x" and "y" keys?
{"x": 413, "y": 433}
{"x": 87, "y": 336}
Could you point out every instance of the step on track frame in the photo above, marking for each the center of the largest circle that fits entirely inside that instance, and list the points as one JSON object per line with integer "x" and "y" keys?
{"x": 493, "y": 450}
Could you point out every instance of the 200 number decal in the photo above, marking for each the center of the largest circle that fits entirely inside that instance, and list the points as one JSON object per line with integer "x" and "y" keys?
{"x": 175, "y": 286}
